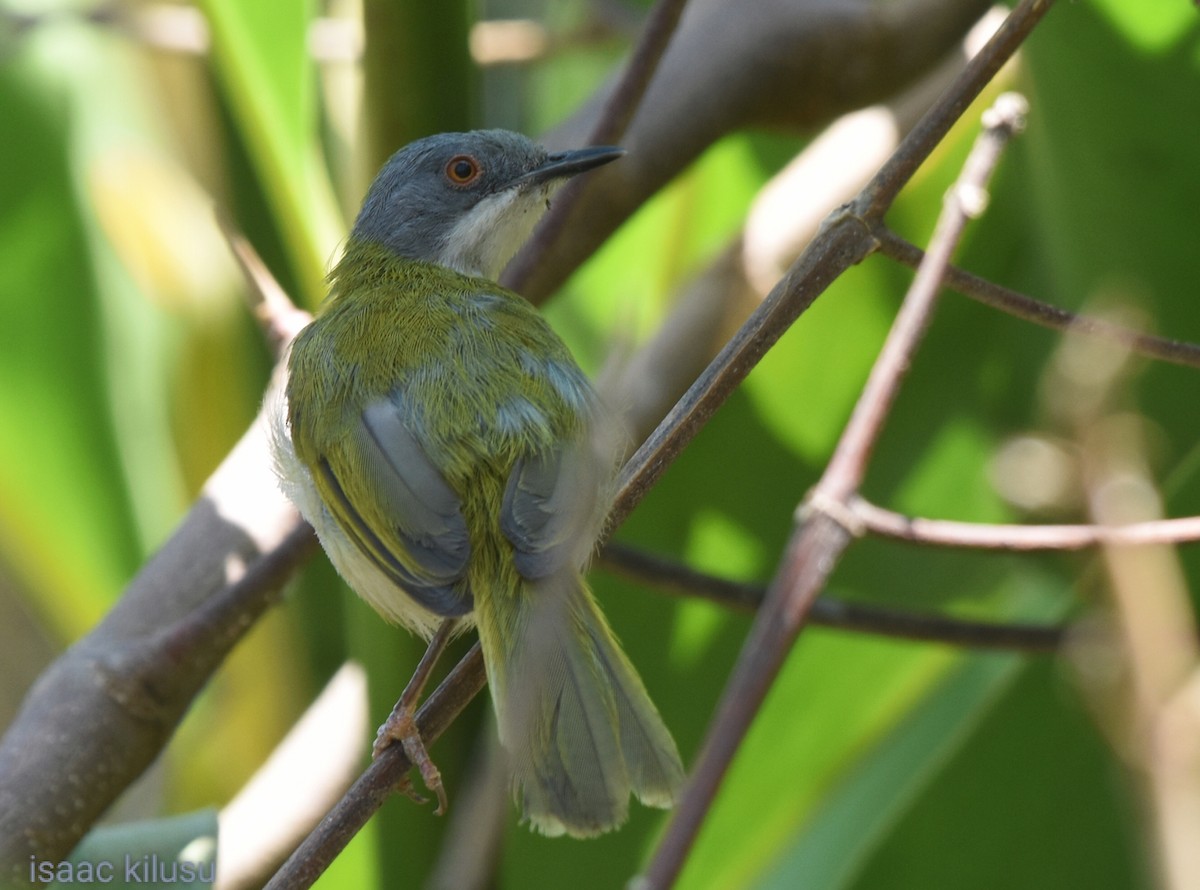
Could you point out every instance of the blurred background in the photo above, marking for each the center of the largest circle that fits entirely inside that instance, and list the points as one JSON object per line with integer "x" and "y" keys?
{"x": 129, "y": 365}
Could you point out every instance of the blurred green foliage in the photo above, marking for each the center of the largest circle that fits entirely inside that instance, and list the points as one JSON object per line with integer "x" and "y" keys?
{"x": 129, "y": 368}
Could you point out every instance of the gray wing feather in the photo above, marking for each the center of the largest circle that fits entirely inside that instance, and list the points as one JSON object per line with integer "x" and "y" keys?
{"x": 424, "y": 511}
{"x": 549, "y": 509}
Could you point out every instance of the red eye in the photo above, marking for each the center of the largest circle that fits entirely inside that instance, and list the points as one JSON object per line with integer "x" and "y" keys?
{"x": 463, "y": 170}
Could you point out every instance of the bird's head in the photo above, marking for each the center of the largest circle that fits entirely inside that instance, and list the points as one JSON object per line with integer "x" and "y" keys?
{"x": 467, "y": 201}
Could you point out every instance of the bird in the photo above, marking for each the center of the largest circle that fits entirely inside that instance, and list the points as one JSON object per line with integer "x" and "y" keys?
{"x": 457, "y": 466}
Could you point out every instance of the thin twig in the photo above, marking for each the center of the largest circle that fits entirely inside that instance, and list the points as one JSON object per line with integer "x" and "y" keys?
{"x": 1023, "y": 538}
{"x": 674, "y": 577}
{"x": 280, "y": 319}
{"x": 879, "y": 194}
{"x": 1019, "y": 305}
{"x": 823, "y": 533}
{"x": 622, "y": 104}
{"x": 965, "y": 201}
{"x": 839, "y": 245}
{"x": 618, "y": 111}
{"x": 378, "y": 782}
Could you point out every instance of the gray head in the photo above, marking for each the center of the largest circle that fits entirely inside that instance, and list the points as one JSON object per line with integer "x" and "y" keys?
{"x": 467, "y": 200}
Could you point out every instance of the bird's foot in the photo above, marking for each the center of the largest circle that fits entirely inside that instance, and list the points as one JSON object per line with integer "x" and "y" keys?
{"x": 400, "y": 727}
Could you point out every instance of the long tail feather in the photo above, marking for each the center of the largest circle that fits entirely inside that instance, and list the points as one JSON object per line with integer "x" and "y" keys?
{"x": 580, "y": 731}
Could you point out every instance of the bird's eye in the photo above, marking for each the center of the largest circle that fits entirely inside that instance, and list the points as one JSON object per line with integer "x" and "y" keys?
{"x": 463, "y": 170}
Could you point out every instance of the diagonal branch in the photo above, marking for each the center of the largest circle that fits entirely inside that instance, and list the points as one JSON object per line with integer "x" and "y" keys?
{"x": 619, "y": 109}
{"x": 103, "y": 711}
{"x": 844, "y": 240}
{"x": 817, "y": 544}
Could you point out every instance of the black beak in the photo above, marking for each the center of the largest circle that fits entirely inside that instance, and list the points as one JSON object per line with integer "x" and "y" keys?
{"x": 564, "y": 164}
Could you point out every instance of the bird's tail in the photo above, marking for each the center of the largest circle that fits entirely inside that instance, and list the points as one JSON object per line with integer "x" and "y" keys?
{"x": 580, "y": 731}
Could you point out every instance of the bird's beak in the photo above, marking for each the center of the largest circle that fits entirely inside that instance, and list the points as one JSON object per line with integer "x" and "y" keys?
{"x": 565, "y": 164}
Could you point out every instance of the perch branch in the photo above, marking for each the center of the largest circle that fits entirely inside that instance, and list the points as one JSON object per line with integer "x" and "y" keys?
{"x": 103, "y": 711}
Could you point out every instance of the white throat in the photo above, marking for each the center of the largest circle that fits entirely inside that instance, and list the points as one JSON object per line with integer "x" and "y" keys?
{"x": 485, "y": 239}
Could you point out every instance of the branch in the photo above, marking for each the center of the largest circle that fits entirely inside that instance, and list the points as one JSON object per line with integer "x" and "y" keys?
{"x": 619, "y": 108}
{"x": 1021, "y": 306}
{"x": 783, "y": 218}
{"x": 844, "y": 240}
{"x": 817, "y": 544}
{"x": 278, "y": 317}
{"x": 752, "y": 64}
{"x": 966, "y": 200}
{"x": 378, "y": 782}
{"x": 1020, "y": 538}
{"x": 103, "y": 711}
{"x": 675, "y": 578}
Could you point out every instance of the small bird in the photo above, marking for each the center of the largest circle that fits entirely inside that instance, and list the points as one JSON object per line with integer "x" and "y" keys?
{"x": 457, "y": 464}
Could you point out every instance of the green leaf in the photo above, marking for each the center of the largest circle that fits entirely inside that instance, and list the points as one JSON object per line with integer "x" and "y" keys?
{"x": 858, "y": 811}
{"x": 261, "y": 54}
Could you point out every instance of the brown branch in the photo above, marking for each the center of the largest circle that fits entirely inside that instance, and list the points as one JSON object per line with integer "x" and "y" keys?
{"x": 103, "y": 711}
{"x": 619, "y": 109}
{"x": 839, "y": 245}
{"x": 965, "y": 201}
{"x": 676, "y": 578}
{"x": 1019, "y": 305}
{"x": 817, "y": 544}
{"x": 879, "y": 194}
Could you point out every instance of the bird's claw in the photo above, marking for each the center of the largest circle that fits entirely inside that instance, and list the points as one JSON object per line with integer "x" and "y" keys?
{"x": 400, "y": 727}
